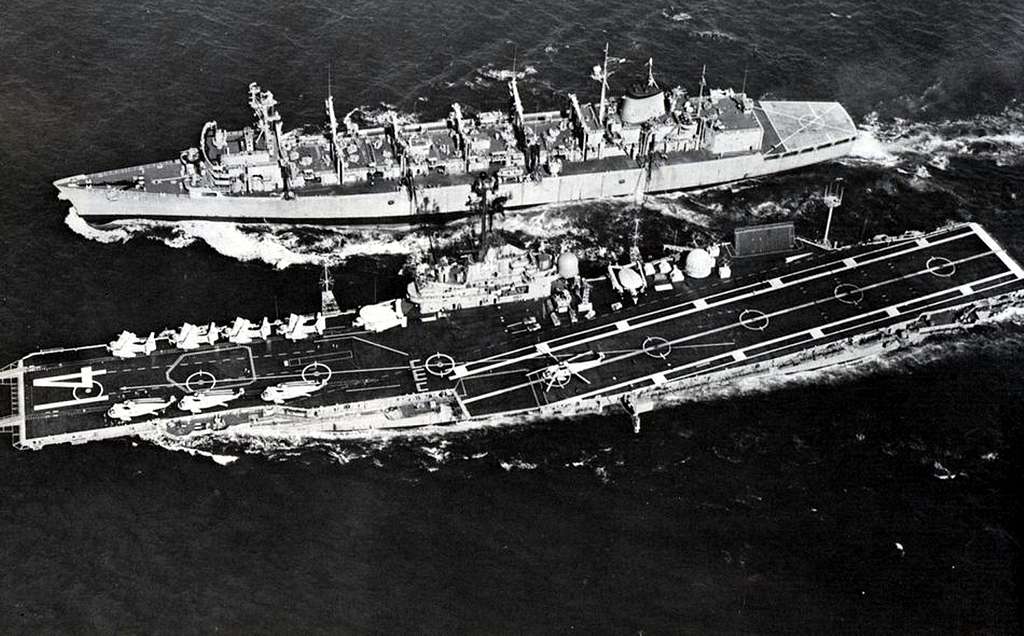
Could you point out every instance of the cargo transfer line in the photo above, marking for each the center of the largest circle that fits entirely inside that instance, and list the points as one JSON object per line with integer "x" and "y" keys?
{"x": 794, "y": 308}
{"x": 462, "y": 372}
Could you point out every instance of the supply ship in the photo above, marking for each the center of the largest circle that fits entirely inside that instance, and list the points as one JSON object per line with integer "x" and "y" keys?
{"x": 518, "y": 334}
{"x": 646, "y": 141}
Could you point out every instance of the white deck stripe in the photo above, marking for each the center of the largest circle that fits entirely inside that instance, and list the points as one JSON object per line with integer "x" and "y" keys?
{"x": 674, "y": 316}
{"x": 998, "y": 249}
{"x": 57, "y": 405}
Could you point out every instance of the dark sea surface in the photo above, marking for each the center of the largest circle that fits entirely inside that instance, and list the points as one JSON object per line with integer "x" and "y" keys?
{"x": 881, "y": 501}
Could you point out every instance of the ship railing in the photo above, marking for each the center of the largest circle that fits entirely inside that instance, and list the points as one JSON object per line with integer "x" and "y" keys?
{"x": 11, "y": 425}
{"x": 132, "y": 169}
{"x": 12, "y": 370}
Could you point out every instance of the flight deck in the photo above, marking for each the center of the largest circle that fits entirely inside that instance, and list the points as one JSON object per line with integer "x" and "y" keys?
{"x": 484, "y": 361}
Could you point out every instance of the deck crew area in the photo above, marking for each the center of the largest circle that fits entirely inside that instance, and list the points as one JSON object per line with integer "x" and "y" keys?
{"x": 512, "y": 357}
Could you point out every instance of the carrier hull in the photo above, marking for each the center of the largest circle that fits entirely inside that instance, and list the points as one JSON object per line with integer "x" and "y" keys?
{"x": 484, "y": 363}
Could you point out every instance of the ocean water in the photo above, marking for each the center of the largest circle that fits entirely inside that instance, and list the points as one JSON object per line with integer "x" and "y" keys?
{"x": 884, "y": 500}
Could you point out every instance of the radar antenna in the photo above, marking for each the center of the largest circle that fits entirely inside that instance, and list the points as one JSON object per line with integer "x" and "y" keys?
{"x": 328, "y": 303}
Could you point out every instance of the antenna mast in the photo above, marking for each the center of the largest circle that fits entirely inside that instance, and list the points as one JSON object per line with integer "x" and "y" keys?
{"x": 604, "y": 83}
{"x": 332, "y": 121}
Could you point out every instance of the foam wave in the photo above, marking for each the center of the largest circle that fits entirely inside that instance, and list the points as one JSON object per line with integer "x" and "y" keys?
{"x": 180, "y": 445}
{"x": 676, "y": 16}
{"x": 79, "y": 226}
{"x": 998, "y": 138}
{"x": 278, "y": 245}
{"x": 504, "y": 75}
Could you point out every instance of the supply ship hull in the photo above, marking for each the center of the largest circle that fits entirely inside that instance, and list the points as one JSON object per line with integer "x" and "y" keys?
{"x": 774, "y": 315}
{"x": 646, "y": 141}
{"x": 100, "y": 205}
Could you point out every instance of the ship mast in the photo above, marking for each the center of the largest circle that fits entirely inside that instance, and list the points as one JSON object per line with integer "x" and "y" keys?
{"x": 700, "y": 105}
{"x": 328, "y": 303}
{"x": 332, "y": 120}
{"x": 833, "y": 199}
{"x": 604, "y": 84}
{"x": 518, "y": 117}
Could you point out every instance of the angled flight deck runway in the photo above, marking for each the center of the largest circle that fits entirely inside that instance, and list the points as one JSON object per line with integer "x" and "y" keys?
{"x": 800, "y": 309}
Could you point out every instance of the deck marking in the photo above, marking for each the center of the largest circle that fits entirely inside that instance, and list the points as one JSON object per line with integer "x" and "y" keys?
{"x": 816, "y": 333}
{"x": 57, "y": 405}
{"x": 849, "y": 262}
{"x": 922, "y": 241}
{"x": 374, "y": 388}
{"x": 622, "y": 325}
{"x": 775, "y": 283}
{"x": 377, "y": 344}
{"x": 700, "y": 303}
{"x": 940, "y": 266}
{"x": 739, "y": 356}
{"x": 84, "y": 376}
{"x": 892, "y": 311}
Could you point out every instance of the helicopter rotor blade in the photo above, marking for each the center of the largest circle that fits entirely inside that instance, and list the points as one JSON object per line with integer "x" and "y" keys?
{"x": 577, "y": 374}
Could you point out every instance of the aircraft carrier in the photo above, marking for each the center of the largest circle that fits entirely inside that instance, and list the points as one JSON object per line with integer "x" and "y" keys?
{"x": 538, "y": 340}
{"x": 645, "y": 141}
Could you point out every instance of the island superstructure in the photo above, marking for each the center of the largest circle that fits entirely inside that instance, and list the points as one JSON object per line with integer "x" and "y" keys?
{"x": 642, "y": 332}
{"x": 648, "y": 140}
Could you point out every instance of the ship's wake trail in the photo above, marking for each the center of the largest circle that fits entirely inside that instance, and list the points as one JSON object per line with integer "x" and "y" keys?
{"x": 282, "y": 245}
{"x": 906, "y": 144}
